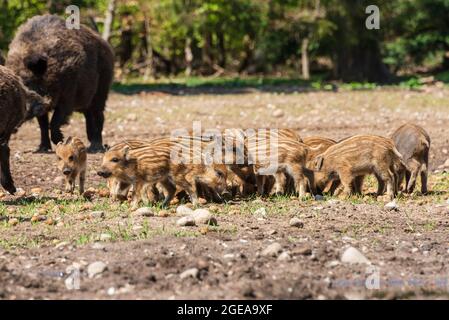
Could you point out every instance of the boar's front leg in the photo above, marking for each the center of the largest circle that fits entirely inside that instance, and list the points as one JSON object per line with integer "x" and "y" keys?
{"x": 60, "y": 117}
{"x": 5, "y": 173}
{"x": 44, "y": 125}
{"x": 94, "y": 128}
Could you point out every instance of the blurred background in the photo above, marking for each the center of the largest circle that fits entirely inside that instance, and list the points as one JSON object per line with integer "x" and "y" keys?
{"x": 259, "y": 41}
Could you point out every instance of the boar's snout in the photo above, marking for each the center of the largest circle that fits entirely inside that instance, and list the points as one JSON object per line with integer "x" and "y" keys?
{"x": 104, "y": 174}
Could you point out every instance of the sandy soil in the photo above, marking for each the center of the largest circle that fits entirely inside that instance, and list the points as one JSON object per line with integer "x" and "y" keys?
{"x": 144, "y": 257}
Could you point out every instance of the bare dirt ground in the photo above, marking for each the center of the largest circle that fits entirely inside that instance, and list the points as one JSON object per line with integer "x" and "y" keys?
{"x": 143, "y": 257}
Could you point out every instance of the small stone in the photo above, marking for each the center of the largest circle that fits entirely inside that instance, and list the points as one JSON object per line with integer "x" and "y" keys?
{"x": 203, "y": 216}
{"x": 96, "y": 268}
{"x": 61, "y": 245}
{"x": 13, "y": 221}
{"x": 284, "y": 256}
{"x": 186, "y": 221}
{"x": 304, "y": 251}
{"x": 319, "y": 197}
{"x": 163, "y": 214}
{"x": 295, "y": 222}
{"x": 183, "y": 211}
{"x": 391, "y": 206}
{"x": 202, "y": 201}
{"x": 37, "y": 218}
{"x": 189, "y": 273}
{"x": 261, "y": 212}
{"x": 36, "y": 191}
{"x": 20, "y": 192}
{"x": 145, "y": 212}
{"x": 97, "y": 214}
{"x": 352, "y": 255}
{"x": 446, "y": 163}
{"x": 272, "y": 250}
{"x": 278, "y": 113}
{"x": 97, "y": 246}
{"x": 105, "y": 237}
{"x": 50, "y": 222}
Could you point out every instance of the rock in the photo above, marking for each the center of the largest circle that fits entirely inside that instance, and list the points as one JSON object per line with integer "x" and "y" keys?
{"x": 97, "y": 246}
{"x": 186, "y": 221}
{"x": 189, "y": 273}
{"x": 105, "y": 237}
{"x": 202, "y": 201}
{"x": 203, "y": 216}
{"x": 183, "y": 211}
{"x": 295, "y": 222}
{"x": 50, "y": 222}
{"x": 392, "y": 206}
{"x": 145, "y": 212}
{"x": 37, "y": 218}
{"x": 319, "y": 197}
{"x": 13, "y": 221}
{"x": 261, "y": 212}
{"x": 61, "y": 245}
{"x": 96, "y": 268}
{"x": 304, "y": 251}
{"x": 352, "y": 255}
{"x": 278, "y": 113}
{"x": 20, "y": 192}
{"x": 97, "y": 214}
{"x": 284, "y": 256}
{"x": 163, "y": 213}
{"x": 272, "y": 250}
{"x": 36, "y": 191}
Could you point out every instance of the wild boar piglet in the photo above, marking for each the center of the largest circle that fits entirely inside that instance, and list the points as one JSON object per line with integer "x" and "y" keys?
{"x": 72, "y": 162}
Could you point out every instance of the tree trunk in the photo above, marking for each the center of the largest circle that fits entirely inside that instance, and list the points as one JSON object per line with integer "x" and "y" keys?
{"x": 109, "y": 20}
{"x": 305, "y": 59}
{"x": 207, "y": 52}
{"x": 188, "y": 54}
{"x": 149, "y": 69}
{"x": 222, "y": 48}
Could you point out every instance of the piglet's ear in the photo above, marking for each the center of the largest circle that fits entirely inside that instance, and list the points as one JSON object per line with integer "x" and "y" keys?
{"x": 319, "y": 163}
{"x": 69, "y": 140}
{"x": 106, "y": 147}
{"x": 126, "y": 153}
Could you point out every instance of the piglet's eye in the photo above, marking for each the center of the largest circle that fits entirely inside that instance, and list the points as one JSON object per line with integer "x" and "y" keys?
{"x": 71, "y": 158}
{"x": 219, "y": 174}
{"x": 115, "y": 160}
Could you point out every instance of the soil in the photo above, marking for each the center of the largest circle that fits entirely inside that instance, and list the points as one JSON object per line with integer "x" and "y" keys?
{"x": 145, "y": 256}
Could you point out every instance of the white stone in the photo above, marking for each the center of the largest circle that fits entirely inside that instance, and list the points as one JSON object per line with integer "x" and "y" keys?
{"x": 186, "y": 221}
{"x": 189, "y": 273}
{"x": 183, "y": 211}
{"x": 96, "y": 268}
{"x": 272, "y": 250}
{"x": 352, "y": 255}
{"x": 145, "y": 212}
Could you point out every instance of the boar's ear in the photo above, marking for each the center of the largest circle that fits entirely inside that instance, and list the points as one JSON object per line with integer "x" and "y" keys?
{"x": 37, "y": 64}
{"x": 319, "y": 163}
{"x": 126, "y": 153}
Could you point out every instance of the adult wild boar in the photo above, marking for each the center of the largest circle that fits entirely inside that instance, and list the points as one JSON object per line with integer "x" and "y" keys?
{"x": 73, "y": 67}
{"x": 17, "y": 104}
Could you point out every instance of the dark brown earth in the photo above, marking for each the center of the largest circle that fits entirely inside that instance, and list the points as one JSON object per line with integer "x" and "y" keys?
{"x": 144, "y": 256}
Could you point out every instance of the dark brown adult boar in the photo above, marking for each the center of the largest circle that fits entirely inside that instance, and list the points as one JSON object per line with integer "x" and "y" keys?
{"x": 413, "y": 142}
{"x": 17, "y": 104}
{"x": 73, "y": 67}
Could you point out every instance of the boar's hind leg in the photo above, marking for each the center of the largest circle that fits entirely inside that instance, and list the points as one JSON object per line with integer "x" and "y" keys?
{"x": 5, "y": 174}
{"x": 45, "y": 145}
{"x": 94, "y": 128}
{"x": 414, "y": 169}
{"x": 424, "y": 169}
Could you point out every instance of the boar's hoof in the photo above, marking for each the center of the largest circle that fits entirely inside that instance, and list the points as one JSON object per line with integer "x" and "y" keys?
{"x": 43, "y": 149}
{"x": 96, "y": 148}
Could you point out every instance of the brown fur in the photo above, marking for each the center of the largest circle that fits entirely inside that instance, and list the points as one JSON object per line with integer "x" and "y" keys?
{"x": 72, "y": 162}
{"x": 291, "y": 159}
{"x": 359, "y": 156}
{"x": 17, "y": 103}
{"x": 413, "y": 142}
{"x": 73, "y": 67}
{"x": 153, "y": 164}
